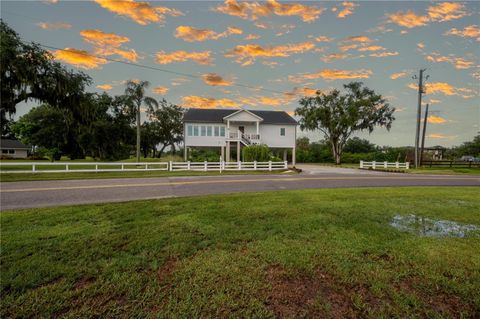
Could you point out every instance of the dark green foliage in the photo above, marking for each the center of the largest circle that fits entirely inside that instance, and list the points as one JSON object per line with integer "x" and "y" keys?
{"x": 259, "y": 153}
{"x": 201, "y": 155}
{"x": 471, "y": 148}
{"x": 358, "y": 145}
{"x": 339, "y": 115}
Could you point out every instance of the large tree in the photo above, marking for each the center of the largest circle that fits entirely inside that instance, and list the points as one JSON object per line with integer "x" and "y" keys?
{"x": 340, "y": 114}
{"x": 28, "y": 72}
{"x": 134, "y": 98}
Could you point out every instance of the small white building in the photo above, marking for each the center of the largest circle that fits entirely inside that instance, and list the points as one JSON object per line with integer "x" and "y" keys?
{"x": 13, "y": 148}
{"x": 226, "y": 128}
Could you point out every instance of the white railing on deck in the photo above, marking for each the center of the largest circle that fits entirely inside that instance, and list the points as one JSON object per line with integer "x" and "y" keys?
{"x": 375, "y": 165}
{"x": 76, "y": 167}
{"x": 227, "y": 166}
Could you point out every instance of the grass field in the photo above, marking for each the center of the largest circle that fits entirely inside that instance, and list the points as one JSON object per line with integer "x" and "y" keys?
{"x": 311, "y": 253}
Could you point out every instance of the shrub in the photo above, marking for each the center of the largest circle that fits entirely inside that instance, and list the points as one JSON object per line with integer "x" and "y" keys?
{"x": 259, "y": 153}
{"x": 201, "y": 155}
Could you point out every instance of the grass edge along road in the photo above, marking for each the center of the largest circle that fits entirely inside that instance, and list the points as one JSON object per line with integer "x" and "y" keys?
{"x": 308, "y": 253}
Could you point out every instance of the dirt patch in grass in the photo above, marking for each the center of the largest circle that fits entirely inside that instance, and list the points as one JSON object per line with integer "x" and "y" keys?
{"x": 84, "y": 282}
{"x": 167, "y": 269}
{"x": 303, "y": 296}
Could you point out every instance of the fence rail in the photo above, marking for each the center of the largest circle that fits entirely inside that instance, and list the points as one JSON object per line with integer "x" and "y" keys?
{"x": 76, "y": 167}
{"x": 227, "y": 166}
{"x": 375, "y": 165}
{"x": 454, "y": 164}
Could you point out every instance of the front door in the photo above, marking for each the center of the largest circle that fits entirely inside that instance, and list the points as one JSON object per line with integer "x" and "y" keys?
{"x": 241, "y": 129}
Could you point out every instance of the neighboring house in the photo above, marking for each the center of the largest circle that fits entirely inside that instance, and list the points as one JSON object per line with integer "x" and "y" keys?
{"x": 13, "y": 148}
{"x": 225, "y": 129}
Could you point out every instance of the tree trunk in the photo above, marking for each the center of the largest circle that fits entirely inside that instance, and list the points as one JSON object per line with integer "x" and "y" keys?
{"x": 138, "y": 133}
{"x": 336, "y": 153}
{"x": 160, "y": 152}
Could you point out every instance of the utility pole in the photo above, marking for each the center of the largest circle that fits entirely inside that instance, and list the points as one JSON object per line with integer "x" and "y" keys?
{"x": 423, "y": 134}
{"x": 419, "y": 114}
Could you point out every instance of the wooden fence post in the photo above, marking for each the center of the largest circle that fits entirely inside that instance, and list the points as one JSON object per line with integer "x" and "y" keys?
{"x": 239, "y": 166}
{"x": 397, "y": 164}
{"x": 373, "y": 164}
{"x": 205, "y": 165}
{"x": 254, "y": 165}
{"x": 361, "y": 164}
{"x": 170, "y": 166}
{"x": 33, "y": 168}
{"x": 285, "y": 164}
{"x": 269, "y": 165}
{"x": 188, "y": 165}
{"x": 385, "y": 164}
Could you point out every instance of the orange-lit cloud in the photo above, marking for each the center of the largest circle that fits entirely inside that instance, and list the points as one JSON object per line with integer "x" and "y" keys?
{"x": 79, "y": 58}
{"x": 398, "y": 75}
{"x": 105, "y": 87}
{"x": 160, "y": 90}
{"x": 252, "y": 37}
{"x": 323, "y": 38}
{"x": 446, "y": 11}
{"x": 215, "y": 80}
{"x": 384, "y": 54}
{"x": 471, "y": 31}
{"x": 371, "y": 48}
{"x": 433, "y": 119}
{"x": 347, "y": 9}
{"x": 54, "y": 25}
{"x": 444, "y": 88}
{"x": 191, "y": 34}
{"x": 107, "y": 44}
{"x": 141, "y": 12}
{"x": 334, "y": 57}
{"x": 333, "y": 75}
{"x": 459, "y": 63}
{"x": 207, "y": 102}
{"x": 408, "y": 19}
{"x": 359, "y": 38}
{"x": 200, "y": 57}
{"x": 254, "y": 10}
{"x": 420, "y": 45}
{"x": 246, "y": 54}
{"x": 440, "y": 136}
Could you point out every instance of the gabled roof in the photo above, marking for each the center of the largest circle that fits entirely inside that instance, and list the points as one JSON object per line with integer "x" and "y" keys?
{"x": 217, "y": 116}
{"x": 242, "y": 110}
{"x": 12, "y": 144}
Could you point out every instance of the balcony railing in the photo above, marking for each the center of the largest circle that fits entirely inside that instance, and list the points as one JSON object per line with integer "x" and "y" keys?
{"x": 239, "y": 135}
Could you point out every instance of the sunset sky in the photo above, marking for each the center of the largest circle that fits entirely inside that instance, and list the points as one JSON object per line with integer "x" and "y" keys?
{"x": 290, "y": 49}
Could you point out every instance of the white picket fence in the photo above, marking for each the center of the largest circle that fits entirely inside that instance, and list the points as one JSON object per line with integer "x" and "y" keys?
{"x": 227, "y": 166}
{"x": 76, "y": 167}
{"x": 375, "y": 165}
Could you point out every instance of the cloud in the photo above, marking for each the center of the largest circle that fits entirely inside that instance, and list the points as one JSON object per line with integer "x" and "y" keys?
{"x": 107, "y": 44}
{"x": 471, "y": 31}
{"x": 252, "y": 37}
{"x": 446, "y": 11}
{"x": 408, "y": 19}
{"x": 207, "y": 102}
{"x": 440, "y": 12}
{"x": 79, "y": 58}
{"x": 191, "y": 34}
{"x": 347, "y": 9}
{"x": 334, "y": 56}
{"x": 323, "y": 38}
{"x": 254, "y": 10}
{"x": 200, "y": 57}
{"x": 458, "y": 63}
{"x": 443, "y": 88}
{"x": 420, "y": 45}
{"x": 440, "y": 136}
{"x": 141, "y": 12}
{"x": 333, "y": 75}
{"x": 105, "y": 87}
{"x": 433, "y": 119}
{"x": 398, "y": 75}
{"x": 354, "y": 42}
{"x": 359, "y": 38}
{"x": 160, "y": 90}
{"x": 384, "y": 54}
{"x": 215, "y": 80}
{"x": 371, "y": 48}
{"x": 54, "y": 25}
{"x": 246, "y": 54}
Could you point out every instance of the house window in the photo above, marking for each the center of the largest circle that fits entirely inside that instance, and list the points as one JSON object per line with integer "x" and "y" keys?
{"x": 11, "y": 151}
{"x": 189, "y": 130}
{"x": 222, "y": 130}
{"x": 4, "y": 151}
{"x": 216, "y": 130}
{"x": 203, "y": 130}
{"x": 195, "y": 130}
{"x": 282, "y": 131}
{"x": 209, "y": 131}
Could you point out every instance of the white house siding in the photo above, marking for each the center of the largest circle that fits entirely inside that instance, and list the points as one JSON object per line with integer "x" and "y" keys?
{"x": 242, "y": 117}
{"x": 205, "y": 141}
{"x": 17, "y": 153}
{"x": 270, "y": 135}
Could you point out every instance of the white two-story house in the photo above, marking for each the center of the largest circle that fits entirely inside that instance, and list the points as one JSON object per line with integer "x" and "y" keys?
{"x": 228, "y": 129}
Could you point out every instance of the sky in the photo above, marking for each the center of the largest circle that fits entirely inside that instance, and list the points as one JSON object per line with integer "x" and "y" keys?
{"x": 267, "y": 55}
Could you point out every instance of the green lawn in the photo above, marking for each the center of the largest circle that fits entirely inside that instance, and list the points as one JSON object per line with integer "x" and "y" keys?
{"x": 309, "y": 253}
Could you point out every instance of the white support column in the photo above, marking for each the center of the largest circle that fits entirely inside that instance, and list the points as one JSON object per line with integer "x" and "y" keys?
{"x": 284, "y": 155}
{"x": 222, "y": 152}
{"x": 258, "y": 127}
{"x": 185, "y": 153}
{"x": 238, "y": 151}
{"x": 294, "y": 161}
{"x": 227, "y": 159}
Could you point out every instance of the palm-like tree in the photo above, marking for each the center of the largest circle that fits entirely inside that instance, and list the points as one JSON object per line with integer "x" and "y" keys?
{"x": 135, "y": 97}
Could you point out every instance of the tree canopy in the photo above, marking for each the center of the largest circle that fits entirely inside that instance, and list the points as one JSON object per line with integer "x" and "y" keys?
{"x": 338, "y": 115}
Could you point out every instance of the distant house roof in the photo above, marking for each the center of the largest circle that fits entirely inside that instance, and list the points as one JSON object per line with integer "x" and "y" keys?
{"x": 12, "y": 144}
{"x": 217, "y": 115}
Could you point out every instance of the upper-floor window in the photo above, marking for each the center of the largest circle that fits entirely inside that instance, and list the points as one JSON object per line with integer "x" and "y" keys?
{"x": 209, "y": 131}
{"x": 282, "y": 131}
{"x": 189, "y": 130}
{"x": 216, "y": 131}
{"x": 195, "y": 130}
{"x": 203, "y": 130}
{"x": 222, "y": 130}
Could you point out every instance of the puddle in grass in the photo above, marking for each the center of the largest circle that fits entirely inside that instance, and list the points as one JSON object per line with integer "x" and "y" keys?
{"x": 433, "y": 228}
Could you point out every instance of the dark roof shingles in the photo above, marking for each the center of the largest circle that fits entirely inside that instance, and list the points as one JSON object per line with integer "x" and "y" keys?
{"x": 8, "y": 143}
{"x": 217, "y": 115}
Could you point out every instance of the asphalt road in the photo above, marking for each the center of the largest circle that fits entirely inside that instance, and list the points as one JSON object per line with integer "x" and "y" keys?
{"x": 16, "y": 195}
